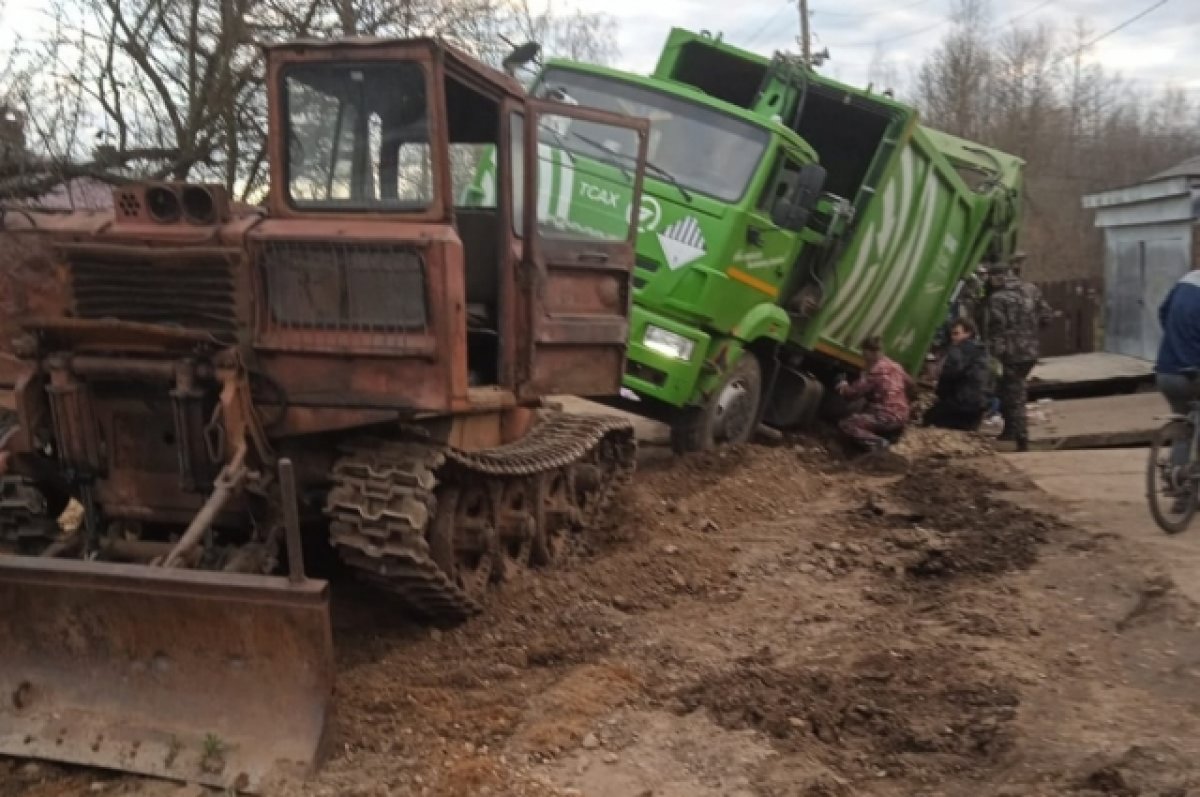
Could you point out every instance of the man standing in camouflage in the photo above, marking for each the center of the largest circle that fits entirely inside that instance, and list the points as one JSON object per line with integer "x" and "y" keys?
{"x": 1016, "y": 313}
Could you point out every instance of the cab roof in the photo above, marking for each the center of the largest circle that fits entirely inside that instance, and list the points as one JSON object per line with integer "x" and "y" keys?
{"x": 378, "y": 47}
{"x": 685, "y": 92}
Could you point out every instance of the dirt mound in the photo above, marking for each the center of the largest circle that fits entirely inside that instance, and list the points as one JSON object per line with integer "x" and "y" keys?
{"x": 981, "y": 532}
{"x": 882, "y": 708}
{"x": 1157, "y": 770}
{"x": 951, "y": 520}
{"x": 721, "y": 489}
{"x": 921, "y": 442}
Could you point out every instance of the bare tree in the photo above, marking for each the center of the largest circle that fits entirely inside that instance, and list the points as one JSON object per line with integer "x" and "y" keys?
{"x": 1032, "y": 92}
{"x": 882, "y": 72}
{"x": 952, "y": 84}
{"x": 174, "y": 88}
{"x": 576, "y": 35}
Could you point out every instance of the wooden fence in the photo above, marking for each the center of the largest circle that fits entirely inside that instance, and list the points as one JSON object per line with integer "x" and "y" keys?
{"x": 1077, "y": 330}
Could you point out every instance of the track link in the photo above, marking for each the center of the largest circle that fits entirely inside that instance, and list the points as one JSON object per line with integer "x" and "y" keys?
{"x": 387, "y": 496}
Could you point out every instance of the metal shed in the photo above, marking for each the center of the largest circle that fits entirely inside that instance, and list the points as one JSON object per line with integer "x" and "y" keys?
{"x": 1150, "y": 241}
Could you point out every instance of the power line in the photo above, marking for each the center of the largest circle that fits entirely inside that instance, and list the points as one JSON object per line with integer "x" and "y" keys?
{"x": 891, "y": 39}
{"x": 767, "y": 24}
{"x": 1120, "y": 27}
{"x": 872, "y": 13}
{"x": 940, "y": 23}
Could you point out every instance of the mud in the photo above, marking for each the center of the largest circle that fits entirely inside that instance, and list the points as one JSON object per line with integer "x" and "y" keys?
{"x": 885, "y": 705}
{"x": 763, "y": 621}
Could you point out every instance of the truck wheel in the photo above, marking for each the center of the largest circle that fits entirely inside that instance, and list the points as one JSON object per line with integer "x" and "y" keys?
{"x": 730, "y": 414}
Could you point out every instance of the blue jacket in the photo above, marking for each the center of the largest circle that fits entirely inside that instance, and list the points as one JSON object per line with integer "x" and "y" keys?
{"x": 1180, "y": 319}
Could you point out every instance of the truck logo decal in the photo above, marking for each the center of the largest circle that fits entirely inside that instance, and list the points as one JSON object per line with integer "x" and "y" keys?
{"x": 649, "y": 214}
{"x": 754, "y": 260}
{"x": 598, "y": 194}
{"x": 683, "y": 242}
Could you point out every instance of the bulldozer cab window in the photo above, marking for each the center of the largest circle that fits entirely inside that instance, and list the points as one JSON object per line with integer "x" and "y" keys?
{"x": 358, "y": 137}
{"x": 473, "y": 122}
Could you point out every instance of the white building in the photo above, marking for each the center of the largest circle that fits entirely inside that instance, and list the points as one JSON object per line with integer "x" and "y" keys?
{"x": 1151, "y": 239}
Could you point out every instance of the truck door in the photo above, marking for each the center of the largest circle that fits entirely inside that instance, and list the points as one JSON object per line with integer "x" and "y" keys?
{"x": 770, "y": 251}
{"x": 582, "y": 178}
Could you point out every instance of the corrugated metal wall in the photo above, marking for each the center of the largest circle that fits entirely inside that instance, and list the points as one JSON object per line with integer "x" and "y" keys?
{"x": 1149, "y": 231}
{"x": 1142, "y": 264}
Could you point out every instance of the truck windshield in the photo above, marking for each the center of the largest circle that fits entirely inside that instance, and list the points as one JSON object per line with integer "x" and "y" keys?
{"x": 358, "y": 137}
{"x": 703, "y": 149}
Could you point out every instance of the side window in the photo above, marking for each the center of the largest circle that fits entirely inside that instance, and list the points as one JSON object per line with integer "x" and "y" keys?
{"x": 474, "y": 129}
{"x": 473, "y": 174}
{"x": 786, "y": 173}
{"x": 585, "y": 174}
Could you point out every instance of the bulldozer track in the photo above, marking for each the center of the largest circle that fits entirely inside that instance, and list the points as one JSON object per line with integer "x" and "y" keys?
{"x": 393, "y": 506}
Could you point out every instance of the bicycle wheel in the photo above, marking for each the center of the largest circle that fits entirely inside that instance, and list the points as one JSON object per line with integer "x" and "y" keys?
{"x": 1171, "y": 491}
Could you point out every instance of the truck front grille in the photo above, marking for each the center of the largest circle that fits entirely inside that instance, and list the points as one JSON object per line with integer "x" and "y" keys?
{"x": 196, "y": 293}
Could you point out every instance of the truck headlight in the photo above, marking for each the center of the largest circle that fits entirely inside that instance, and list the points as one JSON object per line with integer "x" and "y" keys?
{"x": 668, "y": 343}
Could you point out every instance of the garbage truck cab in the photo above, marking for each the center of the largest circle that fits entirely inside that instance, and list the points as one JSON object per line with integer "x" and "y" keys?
{"x": 786, "y": 217}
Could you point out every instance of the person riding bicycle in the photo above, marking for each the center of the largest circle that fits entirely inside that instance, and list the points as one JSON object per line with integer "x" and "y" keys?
{"x": 1179, "y": 352}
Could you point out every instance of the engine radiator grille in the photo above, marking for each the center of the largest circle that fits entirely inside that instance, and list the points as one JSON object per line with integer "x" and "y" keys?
{"x": 351, "y": 287}
{"x": 196, "y": 293}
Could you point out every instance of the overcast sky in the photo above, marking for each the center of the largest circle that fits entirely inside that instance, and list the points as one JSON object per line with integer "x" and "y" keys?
{"x": 1155, "y": 52}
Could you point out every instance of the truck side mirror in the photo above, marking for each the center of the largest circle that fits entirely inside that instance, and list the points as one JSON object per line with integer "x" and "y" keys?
{"x": 795, "y": 205}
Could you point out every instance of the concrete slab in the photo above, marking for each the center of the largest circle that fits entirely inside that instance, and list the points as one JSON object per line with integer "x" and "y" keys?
{"x": 1091, "y": 373}
{"x": 1106, "y": 422}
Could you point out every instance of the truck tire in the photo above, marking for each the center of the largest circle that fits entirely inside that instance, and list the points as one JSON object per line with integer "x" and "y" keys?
{"x": 730, "y": 415}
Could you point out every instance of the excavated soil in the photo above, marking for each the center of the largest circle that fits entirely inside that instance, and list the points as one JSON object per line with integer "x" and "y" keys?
{"x": 771, "y": 621}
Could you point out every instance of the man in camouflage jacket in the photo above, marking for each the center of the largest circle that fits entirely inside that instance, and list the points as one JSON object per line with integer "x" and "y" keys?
{"x": 1016, "y": 313}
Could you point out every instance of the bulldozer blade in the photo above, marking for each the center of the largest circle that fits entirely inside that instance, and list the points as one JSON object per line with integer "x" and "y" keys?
{"x": 214, "y": 678}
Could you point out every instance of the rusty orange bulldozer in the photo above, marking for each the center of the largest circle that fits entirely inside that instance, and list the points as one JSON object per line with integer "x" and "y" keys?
{"x": 237, "y": 396}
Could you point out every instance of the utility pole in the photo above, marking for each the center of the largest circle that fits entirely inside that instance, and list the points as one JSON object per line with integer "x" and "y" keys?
{"x": 805, "y": 43}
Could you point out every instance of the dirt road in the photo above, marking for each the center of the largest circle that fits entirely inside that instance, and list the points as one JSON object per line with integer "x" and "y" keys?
{"x": 759, "y": 622}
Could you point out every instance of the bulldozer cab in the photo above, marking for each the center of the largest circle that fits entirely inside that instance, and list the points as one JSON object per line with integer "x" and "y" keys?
{"x": 370, "y": 130}
{"x": 206, "y": 346}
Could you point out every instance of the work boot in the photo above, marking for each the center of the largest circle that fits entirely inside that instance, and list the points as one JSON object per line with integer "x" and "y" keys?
{"x": 1022, "y": 444}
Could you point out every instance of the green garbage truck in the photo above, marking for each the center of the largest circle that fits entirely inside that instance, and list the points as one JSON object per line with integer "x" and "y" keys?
{"x": 785, "y": 218}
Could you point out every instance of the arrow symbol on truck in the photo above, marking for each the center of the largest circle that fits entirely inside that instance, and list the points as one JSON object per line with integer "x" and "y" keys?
{"x": 682, "y": 242}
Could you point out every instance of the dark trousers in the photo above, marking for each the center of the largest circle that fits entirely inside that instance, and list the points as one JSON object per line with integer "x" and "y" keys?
{"x": 869, "y": 429}
{"x": 948, "y": 416}
{"x": 1179, "y": 391}
{"x": 1011, "y": 391}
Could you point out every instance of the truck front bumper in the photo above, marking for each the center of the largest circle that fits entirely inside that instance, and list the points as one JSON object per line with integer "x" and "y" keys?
{"x": 654, "y": 374}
